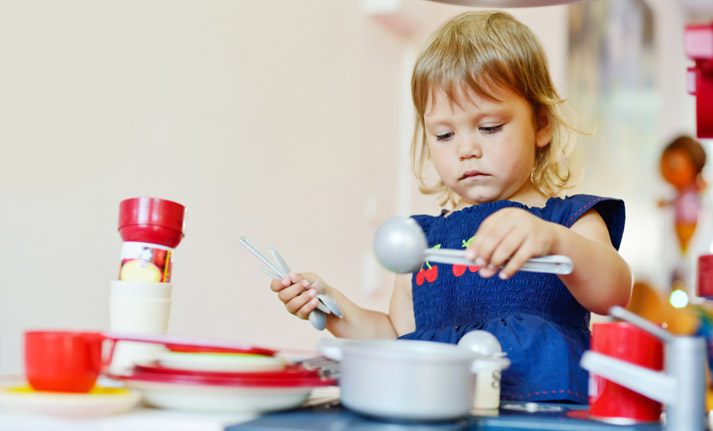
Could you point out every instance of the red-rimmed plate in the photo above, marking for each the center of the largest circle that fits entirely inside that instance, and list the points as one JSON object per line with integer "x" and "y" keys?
{"x": 247, "y": 349}
{"x": 177, "y": 343}
{"x": 289, "y": 372}
{"x": 224, "y": 392}
{"x": 291, "y": 377}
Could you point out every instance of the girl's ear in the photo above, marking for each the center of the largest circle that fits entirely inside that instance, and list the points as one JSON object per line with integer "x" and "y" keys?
{"x": 544, "y": 131}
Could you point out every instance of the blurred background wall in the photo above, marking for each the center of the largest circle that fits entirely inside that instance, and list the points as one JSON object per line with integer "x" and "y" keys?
{"x": 286, "y": 122}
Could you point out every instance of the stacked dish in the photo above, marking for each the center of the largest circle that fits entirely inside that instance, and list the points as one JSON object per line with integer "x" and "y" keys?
{"x": 254, "y": 380}
{"x": 100, "y": 401}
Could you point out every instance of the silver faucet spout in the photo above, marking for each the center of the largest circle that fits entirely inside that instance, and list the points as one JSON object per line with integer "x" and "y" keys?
{"x": 647, "y": 382}
{"x": 681, "y": 387}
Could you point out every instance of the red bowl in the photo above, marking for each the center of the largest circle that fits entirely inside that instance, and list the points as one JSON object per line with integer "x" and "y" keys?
{"x": 152, "y": 220}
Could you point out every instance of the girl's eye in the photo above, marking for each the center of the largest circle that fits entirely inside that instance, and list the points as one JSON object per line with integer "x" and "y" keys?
{"x": 489, "y": 130}
{"x": 444, "y": 137}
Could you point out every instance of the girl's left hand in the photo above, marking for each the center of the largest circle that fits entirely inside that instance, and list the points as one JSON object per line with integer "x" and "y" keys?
{"x": 509, "y": 238}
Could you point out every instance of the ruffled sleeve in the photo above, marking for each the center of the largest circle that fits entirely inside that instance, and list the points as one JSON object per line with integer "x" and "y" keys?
{"x": 425, "y": 221}
{"x": 568, "y": 210}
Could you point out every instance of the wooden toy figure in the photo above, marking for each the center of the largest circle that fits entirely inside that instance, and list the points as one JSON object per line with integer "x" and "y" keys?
{"x": 681, "y": 165}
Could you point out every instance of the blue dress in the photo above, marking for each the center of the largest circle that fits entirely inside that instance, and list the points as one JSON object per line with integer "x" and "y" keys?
{"x": 539, "y": 324}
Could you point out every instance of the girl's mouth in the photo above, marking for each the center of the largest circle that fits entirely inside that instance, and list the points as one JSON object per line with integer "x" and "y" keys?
{"x": 471, "y": 174}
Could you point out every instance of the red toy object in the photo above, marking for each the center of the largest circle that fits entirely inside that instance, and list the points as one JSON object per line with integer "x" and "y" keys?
{"x": 609, "y": 401}
{"x": 699, "y": 47}
{"x": 151, "y": 220}
{"x": 63, "y": 361}
{"x": 151, "y": 228}
{"x": 705, "y": 276}
{"x": 71, "y": 361}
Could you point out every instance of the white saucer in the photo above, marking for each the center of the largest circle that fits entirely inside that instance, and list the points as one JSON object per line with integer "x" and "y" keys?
{"x": 101, "y": 401}
{"x": 220, "y": 399}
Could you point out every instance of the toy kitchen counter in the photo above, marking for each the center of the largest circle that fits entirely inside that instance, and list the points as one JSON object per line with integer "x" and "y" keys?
{"x": 511, "y": 416}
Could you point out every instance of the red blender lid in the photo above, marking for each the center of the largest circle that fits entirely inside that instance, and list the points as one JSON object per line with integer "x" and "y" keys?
{"x": 146, "y": 211}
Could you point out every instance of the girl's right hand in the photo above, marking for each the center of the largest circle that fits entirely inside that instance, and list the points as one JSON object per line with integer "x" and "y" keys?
{"x": 299, "y": 292}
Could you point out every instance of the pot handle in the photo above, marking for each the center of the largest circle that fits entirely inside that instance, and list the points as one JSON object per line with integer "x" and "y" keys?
{"x": 331, "y": 347}
{"x": 489, "y": 363}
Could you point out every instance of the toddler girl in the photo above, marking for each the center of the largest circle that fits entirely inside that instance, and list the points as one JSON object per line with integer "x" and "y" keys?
{"x": 488, "y": 120}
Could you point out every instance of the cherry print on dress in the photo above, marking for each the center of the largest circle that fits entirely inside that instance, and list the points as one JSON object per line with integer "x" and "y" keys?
{"x": 429, "y": 274}
{"x": 459, "y": 270}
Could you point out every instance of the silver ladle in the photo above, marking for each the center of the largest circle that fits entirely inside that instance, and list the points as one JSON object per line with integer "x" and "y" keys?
{"x": 401, "y": 246}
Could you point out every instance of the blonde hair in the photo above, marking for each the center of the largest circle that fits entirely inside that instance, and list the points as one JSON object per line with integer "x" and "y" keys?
{"x": 482, "y": 52}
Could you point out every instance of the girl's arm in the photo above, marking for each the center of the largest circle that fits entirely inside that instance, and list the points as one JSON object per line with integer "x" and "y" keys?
{"x": 508, "y": 238}
{"x": 601, "y": 278}
{"x": 357, "y": 322}
{"x": 401, "y": 307}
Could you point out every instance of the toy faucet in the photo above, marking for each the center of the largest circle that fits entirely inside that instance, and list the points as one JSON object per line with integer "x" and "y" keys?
{"x": 680, "y": 387}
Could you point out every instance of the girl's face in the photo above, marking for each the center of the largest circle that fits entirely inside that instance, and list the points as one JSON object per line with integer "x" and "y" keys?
{"x": 484, "y": 150}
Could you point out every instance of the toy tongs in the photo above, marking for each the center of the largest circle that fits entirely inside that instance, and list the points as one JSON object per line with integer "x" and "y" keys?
{"x": 279, "y": 269}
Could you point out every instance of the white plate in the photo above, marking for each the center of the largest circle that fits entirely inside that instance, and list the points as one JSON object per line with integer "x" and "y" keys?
{"x": 231, "y": 362}
{"x": 224, "y": 399}
{"x": 101, "y": 401}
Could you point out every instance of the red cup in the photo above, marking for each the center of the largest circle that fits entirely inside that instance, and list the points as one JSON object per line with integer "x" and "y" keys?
{"x": 151, "y": 220}
{"x": 63, "y": 361}
{"x": 705, "y": 276}
{"x": 609, "y": 401}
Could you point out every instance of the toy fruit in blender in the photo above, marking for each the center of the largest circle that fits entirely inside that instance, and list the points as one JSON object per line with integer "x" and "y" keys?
{"x": 148, "y": 267}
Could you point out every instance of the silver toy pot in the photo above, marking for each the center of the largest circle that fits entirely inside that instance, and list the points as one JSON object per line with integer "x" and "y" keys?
{"x": 407, "y": 379}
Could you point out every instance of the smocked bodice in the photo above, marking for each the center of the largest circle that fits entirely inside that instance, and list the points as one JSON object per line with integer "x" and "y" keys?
{"x": 450, "y": 300}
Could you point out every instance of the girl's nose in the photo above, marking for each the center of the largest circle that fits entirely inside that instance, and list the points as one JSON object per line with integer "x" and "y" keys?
{"x": 468, "y": 148}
